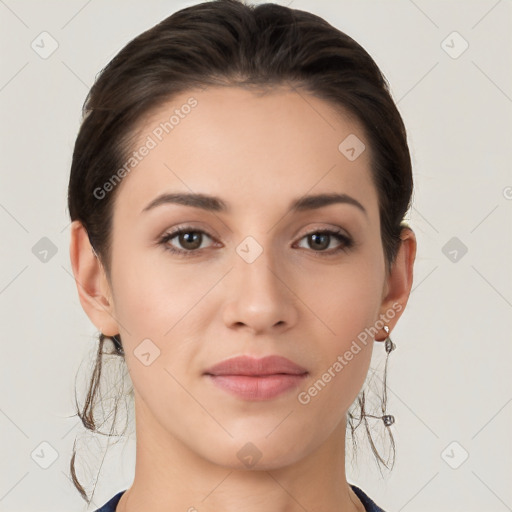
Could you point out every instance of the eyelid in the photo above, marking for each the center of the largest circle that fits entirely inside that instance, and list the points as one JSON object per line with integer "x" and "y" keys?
{"x": 188, "y": 226}
{"x": 320, "y": 228}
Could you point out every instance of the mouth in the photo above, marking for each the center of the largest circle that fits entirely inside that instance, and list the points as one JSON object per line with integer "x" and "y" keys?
{"x": 256, "y": 379}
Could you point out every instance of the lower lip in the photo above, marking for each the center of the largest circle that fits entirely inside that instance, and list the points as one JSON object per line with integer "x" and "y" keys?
{"x": 257, "y": 388}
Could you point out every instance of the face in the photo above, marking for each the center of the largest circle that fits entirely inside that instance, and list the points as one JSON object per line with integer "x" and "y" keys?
{"x": 250, "y": 275}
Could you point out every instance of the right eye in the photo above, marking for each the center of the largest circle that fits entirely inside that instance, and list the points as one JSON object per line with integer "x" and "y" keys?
{"x": 190, "y": 238}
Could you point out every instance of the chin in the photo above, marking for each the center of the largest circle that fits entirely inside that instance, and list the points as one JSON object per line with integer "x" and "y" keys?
{"x": 255, "y": 453}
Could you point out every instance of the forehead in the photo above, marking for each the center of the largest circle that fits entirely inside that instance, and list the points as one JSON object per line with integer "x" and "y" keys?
{"x": 254, "y": 149}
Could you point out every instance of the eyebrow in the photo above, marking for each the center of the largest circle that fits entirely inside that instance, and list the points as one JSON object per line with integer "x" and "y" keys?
{"x": 216, "y": 204}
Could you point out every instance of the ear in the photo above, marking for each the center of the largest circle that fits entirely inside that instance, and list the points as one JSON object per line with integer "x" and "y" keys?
{"x": 91, "y": 281}
{"x": 399, "y": 281}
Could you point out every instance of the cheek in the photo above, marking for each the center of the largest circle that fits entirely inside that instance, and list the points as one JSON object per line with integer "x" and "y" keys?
{"x": 342, "y": 346}
{"x": 162, "y": 312}
{"x": 152, "y": 297}
{"x": 346, "y": 302}
{"x": 346, "y": 299}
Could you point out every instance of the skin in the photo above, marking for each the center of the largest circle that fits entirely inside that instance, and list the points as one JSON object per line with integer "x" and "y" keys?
{"x": 258, "y": 153}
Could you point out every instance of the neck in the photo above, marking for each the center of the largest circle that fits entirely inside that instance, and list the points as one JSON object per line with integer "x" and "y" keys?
{"x": 169, "y": 477}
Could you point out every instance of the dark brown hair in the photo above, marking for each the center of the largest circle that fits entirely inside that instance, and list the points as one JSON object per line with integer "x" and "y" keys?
{"x": 229, "y": 43}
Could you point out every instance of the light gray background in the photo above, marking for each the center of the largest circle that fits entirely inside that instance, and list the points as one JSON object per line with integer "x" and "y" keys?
{"x": 449, "y": 379}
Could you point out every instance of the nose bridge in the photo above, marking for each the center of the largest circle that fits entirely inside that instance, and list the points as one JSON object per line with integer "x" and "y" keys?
{"x": 257, "y": 264}
{"x": 259, "y": 298}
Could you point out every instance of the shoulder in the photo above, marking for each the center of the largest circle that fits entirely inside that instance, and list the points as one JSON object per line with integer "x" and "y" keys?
{"x": 368, "y": 503}
{"x": 111, "y": 505}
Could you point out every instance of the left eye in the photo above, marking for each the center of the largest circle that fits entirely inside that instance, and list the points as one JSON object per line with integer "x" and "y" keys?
{"x": 320, "y": 240}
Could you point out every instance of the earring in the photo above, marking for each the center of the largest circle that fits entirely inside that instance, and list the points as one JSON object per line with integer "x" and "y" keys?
{"x": 389, "y": 345}
{"x": 388, "y": 419}
{"x": 117, "y": 344}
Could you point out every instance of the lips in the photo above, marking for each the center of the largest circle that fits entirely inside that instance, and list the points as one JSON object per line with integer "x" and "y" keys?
{"x": 256, "y": 379}
{"x": 249, "y": 366}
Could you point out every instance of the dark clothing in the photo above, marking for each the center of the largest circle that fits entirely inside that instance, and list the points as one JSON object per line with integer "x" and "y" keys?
{"x": 369, "y": 505}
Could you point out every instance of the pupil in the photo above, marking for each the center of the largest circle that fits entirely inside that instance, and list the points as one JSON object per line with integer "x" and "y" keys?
{"x": 189, "y": 239}
{"x": 316, "y": 240}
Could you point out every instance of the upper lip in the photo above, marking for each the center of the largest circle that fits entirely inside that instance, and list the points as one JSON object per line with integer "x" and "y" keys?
{"x": 246, "y": 365}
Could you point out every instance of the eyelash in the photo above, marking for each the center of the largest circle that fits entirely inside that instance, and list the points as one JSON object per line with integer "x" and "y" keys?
{"x": 346, "y": 242}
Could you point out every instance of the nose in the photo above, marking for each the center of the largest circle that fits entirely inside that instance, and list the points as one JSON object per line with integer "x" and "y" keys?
{"x": 260, "y": 296}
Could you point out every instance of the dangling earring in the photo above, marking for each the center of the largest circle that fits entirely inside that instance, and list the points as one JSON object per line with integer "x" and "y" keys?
{"x": 117, "y": 344}
{"x": 388, "y": 419}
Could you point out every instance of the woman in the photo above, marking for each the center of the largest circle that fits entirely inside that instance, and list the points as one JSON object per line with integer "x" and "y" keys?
{"x": 237, "y": 192}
